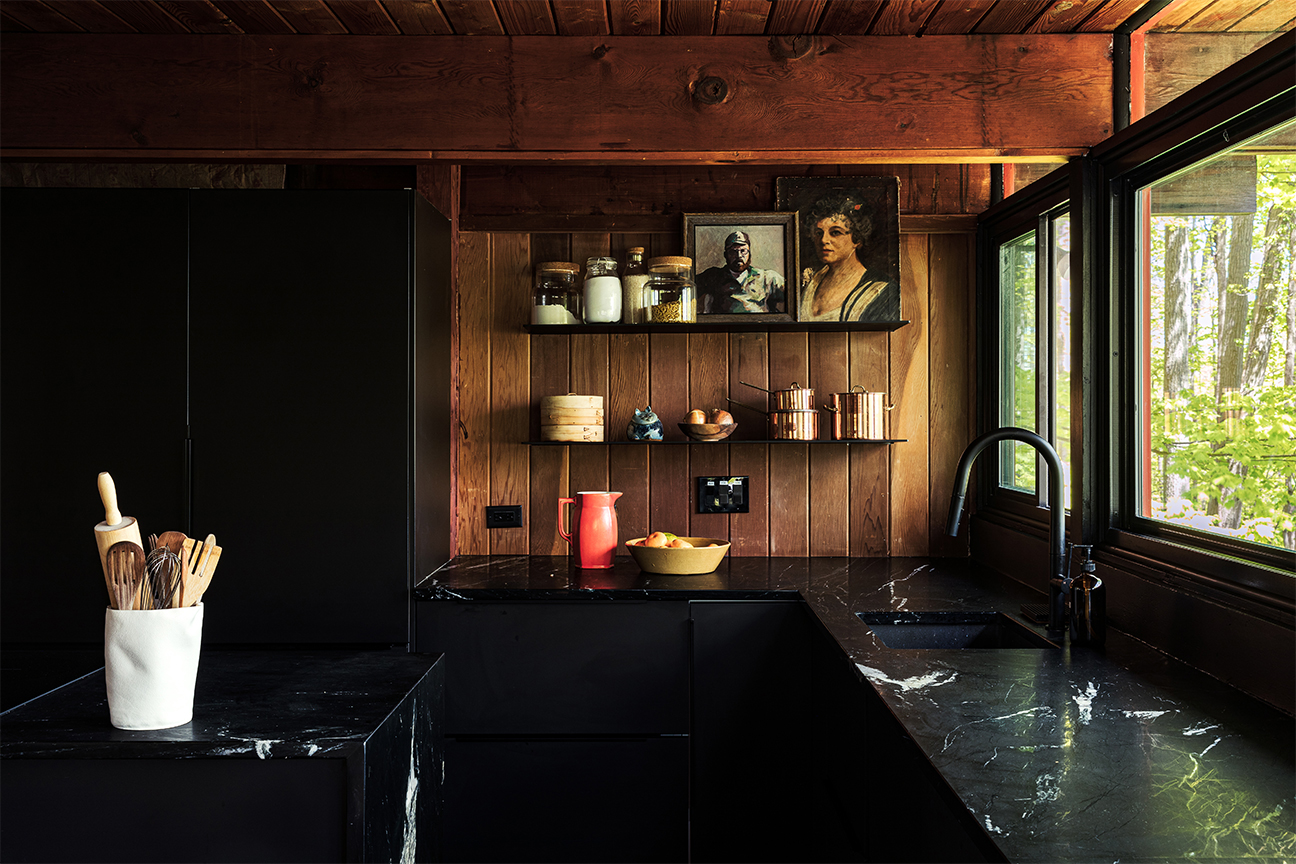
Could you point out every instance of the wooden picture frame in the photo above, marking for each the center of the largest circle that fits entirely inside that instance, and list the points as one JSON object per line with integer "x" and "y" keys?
{"x": 849, "y": 250}
{"x": 762, "y": 287}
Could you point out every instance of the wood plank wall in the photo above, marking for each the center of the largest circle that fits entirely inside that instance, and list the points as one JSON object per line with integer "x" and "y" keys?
{"x": 817, "y": 499}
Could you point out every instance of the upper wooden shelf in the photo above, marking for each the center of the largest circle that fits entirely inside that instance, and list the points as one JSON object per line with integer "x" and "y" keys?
{"x": 720, "y": 327}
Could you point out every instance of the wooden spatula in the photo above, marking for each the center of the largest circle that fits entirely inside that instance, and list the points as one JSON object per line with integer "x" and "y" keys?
{"x": 125, "y": 562}
{"x": 199, "y": 566}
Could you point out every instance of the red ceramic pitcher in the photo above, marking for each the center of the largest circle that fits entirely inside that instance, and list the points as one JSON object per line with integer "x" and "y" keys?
{"x": 595, "y": 528}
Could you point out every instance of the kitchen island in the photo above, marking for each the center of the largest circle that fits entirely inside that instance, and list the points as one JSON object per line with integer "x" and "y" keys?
{"x": 292, "y": 755}
{"x": 1041, "y": 754}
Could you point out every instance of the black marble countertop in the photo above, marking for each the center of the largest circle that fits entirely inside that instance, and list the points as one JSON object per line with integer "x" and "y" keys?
{"x": 1069, "y": 754}
{"x": 251, "y": 704}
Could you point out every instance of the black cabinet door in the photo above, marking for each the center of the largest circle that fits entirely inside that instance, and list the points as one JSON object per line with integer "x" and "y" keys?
{"x": 567, "y": 800}
{"x": 557, "y": 668}
{"x": 300, "y": 395}
{"x": 92, "y": 362}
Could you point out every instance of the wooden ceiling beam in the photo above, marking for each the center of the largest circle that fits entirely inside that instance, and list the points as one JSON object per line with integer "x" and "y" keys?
{"x": 555, "y": 98}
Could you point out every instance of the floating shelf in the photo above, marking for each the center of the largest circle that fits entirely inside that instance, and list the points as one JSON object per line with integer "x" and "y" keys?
{"x": 729, "y": 326}
{"x": 721, "y": 441}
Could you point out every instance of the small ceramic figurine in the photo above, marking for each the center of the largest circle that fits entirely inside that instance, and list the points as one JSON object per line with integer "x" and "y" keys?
{"x": 644, "y": 426}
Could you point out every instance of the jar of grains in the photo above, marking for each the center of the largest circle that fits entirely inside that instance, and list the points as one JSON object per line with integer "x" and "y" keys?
{"x": 602, "y": 291}
{"x": 556, "y": 298}
{"x": 672, "y": 296}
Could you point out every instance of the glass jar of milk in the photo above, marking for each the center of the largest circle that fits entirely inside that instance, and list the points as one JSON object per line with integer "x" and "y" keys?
{"x": 602, "y": 294}
{"x": 556, "y": 298}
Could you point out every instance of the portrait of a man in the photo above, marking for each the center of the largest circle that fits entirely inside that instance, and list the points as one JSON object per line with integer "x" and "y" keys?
{"x": 740, "y": 265}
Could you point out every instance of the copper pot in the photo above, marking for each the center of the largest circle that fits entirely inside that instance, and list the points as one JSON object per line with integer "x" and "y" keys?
{"x": 857, "y": 416}
{"x": 794, "y": 425}
{"x": 793, "y": 398}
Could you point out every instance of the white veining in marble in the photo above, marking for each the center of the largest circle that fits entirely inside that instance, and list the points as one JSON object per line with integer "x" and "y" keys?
{"x": 1084, "y": 700}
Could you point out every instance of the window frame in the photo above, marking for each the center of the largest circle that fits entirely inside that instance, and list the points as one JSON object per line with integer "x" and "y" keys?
{"x": 1030, "y": 210}
{"x": 1246, "y": 100}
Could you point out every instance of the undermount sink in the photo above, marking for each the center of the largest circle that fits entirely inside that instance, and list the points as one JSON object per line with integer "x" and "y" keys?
{"x": 957, "y": 630}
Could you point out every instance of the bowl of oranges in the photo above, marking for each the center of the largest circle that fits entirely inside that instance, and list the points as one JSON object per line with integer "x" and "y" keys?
{"x": 668, "y": 555}
{"x": 715, "y": 425}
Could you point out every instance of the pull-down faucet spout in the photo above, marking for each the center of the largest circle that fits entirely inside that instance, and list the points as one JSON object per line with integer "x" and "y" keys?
{"x": 1058, "y": 585}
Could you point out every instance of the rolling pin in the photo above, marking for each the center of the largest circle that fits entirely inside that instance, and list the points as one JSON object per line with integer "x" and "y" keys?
{"x": 115, "y": 527}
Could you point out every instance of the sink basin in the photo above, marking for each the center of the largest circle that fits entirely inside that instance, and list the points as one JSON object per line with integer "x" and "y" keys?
{"x": 957, "y": 630}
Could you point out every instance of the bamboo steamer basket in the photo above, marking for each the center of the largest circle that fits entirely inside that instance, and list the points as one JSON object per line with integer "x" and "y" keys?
{"x": 572, "y": 417}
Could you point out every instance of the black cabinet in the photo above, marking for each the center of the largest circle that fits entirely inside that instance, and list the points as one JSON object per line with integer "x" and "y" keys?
{"x": 269, "y": 366}
{"x": 567, "y": 729}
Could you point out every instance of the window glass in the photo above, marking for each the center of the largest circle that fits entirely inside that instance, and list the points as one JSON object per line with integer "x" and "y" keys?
{"x": 1060, "y": 279}
{"x": 1217, "y": 411}
{"x": 1017, "y": 358}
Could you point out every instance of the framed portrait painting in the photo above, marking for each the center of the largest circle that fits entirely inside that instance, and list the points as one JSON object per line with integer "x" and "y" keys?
{"x": 742, "y": 263}
{"x": 848, "y": 267}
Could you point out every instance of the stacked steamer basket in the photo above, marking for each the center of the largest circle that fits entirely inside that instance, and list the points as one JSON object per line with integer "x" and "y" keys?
{"x": 571, "y": 418}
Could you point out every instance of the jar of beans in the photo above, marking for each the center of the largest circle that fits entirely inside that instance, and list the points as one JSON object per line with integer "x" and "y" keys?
{"x": 672, "y": 295}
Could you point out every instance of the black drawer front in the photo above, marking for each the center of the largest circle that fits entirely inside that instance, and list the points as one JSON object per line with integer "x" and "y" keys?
{"x": 561, "y": 668}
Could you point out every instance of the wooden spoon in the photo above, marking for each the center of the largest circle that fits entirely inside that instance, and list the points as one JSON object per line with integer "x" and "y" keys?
{"x": 126, "y": 571}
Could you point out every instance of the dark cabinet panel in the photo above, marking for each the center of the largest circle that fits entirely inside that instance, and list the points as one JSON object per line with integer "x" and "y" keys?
{"x": 751, "y": 732}
{"x": 561, "y": 668}
{"x": 300, "y": 411}
{"x": 567, "y": 800}
{"x": 92, "y": 372}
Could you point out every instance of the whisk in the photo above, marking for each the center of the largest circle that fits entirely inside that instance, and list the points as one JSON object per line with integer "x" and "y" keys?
{"x": 164, "y": 574}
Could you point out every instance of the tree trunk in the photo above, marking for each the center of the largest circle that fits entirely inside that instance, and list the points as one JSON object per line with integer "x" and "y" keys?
{"x": 1264, "y": 312}
{"x": 1231, "y": 341}
{"x": 1178, "y": 368}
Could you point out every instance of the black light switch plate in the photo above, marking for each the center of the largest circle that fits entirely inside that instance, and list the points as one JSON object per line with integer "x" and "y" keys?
{"x": 722, "y": 495}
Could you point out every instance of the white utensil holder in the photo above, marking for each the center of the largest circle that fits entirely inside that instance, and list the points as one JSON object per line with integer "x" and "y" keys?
{"x": 151, "y": 665}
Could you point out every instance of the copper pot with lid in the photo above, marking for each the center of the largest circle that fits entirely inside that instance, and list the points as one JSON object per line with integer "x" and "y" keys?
{"x": 858, "y": 415}
{"x": 792, "y": 398}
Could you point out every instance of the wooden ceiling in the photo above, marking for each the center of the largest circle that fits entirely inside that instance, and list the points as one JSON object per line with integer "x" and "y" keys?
{"x": 636, "y": 17}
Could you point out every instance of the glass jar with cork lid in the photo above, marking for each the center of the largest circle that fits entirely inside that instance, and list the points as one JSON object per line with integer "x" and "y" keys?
{"x": 556, "y": 298}
{"x": 672, "y": 295}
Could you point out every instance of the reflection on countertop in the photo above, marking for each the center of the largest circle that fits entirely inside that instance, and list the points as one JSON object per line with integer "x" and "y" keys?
{"x": 1115, "y": 754}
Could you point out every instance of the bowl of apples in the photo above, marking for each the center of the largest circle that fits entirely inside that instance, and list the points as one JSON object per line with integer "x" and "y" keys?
{"x": 665, "y": 554}
{"x": 714, "y": 425}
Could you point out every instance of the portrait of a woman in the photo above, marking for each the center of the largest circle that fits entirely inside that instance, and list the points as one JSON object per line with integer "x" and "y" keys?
{"x": 846, "y": 286}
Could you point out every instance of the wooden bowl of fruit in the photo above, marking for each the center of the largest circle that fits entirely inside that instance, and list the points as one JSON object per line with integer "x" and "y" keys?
{"x": 668, "y": 555}
{"x": 701, "y": 425}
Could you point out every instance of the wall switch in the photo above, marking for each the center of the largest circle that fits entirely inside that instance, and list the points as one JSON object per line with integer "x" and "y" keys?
{"x": 507, "y": 516}
{"x": 722, "y": 495}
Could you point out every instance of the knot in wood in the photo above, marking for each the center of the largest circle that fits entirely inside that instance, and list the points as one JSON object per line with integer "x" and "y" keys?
{"x": 601, "y": 51}
{"x": 793, "y": 47}
{"x": 710, "y": 90}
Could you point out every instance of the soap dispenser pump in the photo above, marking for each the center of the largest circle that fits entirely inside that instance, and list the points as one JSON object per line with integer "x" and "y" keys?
{"x": 1088, "y": 604}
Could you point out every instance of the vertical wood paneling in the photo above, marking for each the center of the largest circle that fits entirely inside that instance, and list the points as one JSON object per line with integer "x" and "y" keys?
{"x": 870, "y": 464}
{"x": 951, "y": 394}
{"x": 668, "y": 466}
{"x": 830, "y": 499}
{"x": 749, "y": 361}
{"x": 474, "y": 387}
{"x": 909, "y": 386}
{"x": 510, "y": 370}
{"x": 829, "y": 463}
{"x": 628, "y": 466}
{"x": 789, "y": 464}
{"x": 708, "y": 384}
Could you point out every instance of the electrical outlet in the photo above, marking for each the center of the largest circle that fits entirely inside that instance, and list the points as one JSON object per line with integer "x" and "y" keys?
{"x": 506, "y": 516}
{"x": 722, "y": 495}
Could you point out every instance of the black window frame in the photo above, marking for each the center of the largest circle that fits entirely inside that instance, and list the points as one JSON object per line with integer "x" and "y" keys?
{"x": 1254, "y": 95}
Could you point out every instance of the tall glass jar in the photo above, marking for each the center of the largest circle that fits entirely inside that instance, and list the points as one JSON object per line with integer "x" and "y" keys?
{"x": 556, "y": 298}
{"x": 672, "y": 296}
{"x": 634, "y": 280}
{"x": 602, "y": 292}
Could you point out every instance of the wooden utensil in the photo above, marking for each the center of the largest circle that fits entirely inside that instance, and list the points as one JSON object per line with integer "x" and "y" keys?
{"x": 173, "y": 542}
{"x": 115, "y": 528}
{"x": 199, "y": 567}
{"x": 125, "y": 567}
